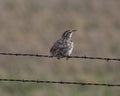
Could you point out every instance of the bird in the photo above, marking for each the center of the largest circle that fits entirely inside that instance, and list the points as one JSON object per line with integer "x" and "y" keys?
{"x": 63, "y": 47}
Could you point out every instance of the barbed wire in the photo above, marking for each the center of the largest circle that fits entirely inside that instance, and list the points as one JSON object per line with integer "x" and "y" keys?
{"x": 62, "y": 82}
{"x": 82, "y": 57}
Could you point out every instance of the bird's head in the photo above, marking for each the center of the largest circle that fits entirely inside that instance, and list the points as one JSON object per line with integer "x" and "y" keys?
{"x": 68, "y": 34}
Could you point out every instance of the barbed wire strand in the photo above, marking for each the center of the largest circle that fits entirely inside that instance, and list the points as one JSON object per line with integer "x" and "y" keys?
{"x": 82, "y": 57}
{"x": 61, "y": 82}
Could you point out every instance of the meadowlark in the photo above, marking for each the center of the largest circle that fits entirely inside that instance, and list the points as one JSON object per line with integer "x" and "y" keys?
{"x": 64, "y": 46}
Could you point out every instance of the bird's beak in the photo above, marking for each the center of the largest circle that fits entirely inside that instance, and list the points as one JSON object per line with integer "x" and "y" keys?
{"x": 73, "y": 30}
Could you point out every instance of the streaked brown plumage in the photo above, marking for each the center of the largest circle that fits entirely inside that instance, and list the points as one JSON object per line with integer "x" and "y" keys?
{"x": 64, "y": 46}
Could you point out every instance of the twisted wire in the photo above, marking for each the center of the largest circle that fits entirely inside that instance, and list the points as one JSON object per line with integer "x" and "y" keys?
{"x": 62, "y": 82}
{"x": 81, "y": 57}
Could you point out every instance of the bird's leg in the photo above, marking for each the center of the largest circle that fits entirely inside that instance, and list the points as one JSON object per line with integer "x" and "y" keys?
{"x": 67, "y": 57}
{"x": 58, "y": 58}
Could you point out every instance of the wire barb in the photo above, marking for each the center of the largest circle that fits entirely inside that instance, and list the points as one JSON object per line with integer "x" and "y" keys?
{"x": 82, "y": 57}
{"x": 61, "y": 82}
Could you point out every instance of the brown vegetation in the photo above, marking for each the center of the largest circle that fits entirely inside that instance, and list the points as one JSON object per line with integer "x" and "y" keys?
{"x": 32, "y": 26}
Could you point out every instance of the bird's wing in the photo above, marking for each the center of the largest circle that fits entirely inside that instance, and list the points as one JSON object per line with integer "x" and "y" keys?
{"x": 57, "y": 46}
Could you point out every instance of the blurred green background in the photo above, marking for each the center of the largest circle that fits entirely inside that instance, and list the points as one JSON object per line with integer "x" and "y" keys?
{"x": 32, "y": 26}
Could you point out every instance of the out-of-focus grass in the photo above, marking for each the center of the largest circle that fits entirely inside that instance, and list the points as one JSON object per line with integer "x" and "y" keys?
{"x": 32, "y": 26}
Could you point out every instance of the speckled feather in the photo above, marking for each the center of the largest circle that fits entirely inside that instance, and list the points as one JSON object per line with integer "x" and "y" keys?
{"x": 62, "y": 47}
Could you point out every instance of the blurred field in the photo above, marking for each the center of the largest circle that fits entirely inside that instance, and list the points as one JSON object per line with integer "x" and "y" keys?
{"x": 32, "y": 26}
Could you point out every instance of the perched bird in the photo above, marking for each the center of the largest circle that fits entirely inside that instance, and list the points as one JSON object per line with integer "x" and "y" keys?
{"x": 64, "y": 46}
